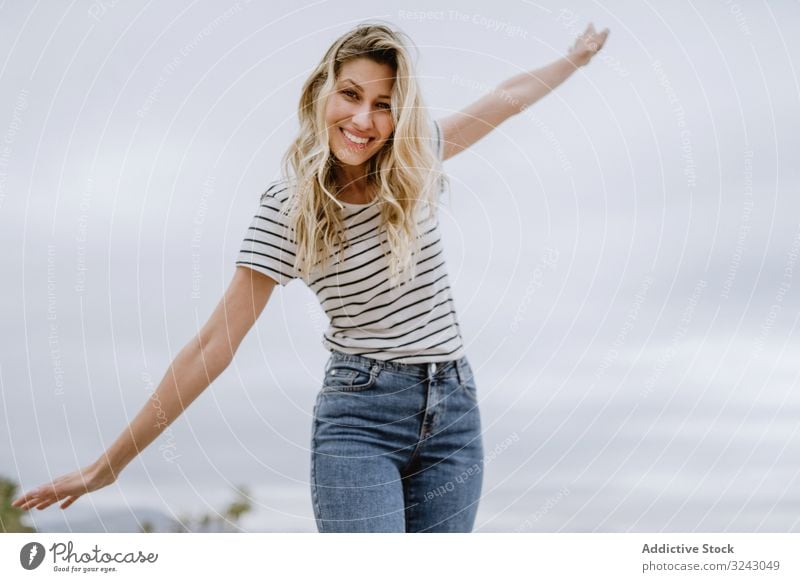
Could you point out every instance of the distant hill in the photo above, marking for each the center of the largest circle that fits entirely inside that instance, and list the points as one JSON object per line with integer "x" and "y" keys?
{"x": 112, "y": 521}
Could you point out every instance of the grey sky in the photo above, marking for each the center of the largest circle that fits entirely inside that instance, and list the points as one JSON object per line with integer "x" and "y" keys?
{"x": 623, "y": 254}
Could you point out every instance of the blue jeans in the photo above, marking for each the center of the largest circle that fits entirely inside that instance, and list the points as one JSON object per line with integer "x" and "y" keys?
{"x": 396, "y": 447}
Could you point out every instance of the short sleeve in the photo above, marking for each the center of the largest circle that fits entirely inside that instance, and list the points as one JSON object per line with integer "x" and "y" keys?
{"x": 438, "y": 147}
{"x": 439, "y": 142}
{"x": 268, "y": 246}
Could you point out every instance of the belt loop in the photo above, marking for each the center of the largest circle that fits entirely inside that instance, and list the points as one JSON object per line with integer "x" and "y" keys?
{"x": 431, "y": 369}
{"x": 461, "y": 372}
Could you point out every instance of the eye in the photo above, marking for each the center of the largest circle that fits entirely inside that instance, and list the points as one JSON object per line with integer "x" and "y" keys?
{"x": 350, "y": 94}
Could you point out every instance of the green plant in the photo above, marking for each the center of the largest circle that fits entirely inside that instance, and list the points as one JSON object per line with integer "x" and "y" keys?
{"x": 226, "y": 521}
{"x": 11, "y": 517}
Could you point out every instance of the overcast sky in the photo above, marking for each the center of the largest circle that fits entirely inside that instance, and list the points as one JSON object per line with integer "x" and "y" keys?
{"x": 623, "y": 255}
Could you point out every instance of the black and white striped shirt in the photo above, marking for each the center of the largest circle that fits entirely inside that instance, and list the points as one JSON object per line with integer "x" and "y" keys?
{"x": 413, "y": 323}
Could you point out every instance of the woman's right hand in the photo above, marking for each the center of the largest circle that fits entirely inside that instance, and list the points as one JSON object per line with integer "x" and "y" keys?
{"x": 202, "y": 360}
{"x": 68, "y": 487}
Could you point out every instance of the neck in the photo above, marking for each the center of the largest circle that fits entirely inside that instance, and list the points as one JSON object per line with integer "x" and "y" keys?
{"x": 352, "y": 182}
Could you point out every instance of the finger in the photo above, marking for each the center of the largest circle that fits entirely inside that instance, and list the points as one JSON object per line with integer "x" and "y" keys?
{"x": 35, "y": 495}
{"x": 27, "y": 496}
{"x": 30, "y": 503}
{"x": 70, "y": 500}
{"x": 45, "y": 504}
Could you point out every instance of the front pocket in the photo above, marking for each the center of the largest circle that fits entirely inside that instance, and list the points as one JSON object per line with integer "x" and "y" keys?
{"x": 348, "y": 377}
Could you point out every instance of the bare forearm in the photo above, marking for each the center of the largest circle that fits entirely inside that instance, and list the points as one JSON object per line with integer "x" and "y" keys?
{"x": 523, "y": 90}
{"x": 193, "y": 369}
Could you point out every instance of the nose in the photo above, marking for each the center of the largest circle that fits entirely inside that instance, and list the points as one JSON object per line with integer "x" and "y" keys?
{"x": 362, "y": 118}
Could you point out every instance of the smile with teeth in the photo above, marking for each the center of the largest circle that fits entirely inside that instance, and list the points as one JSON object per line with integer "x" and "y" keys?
{"x": 358, "y": 142}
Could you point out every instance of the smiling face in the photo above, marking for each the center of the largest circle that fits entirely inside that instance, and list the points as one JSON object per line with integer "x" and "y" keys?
{"x": 358, "y": 113}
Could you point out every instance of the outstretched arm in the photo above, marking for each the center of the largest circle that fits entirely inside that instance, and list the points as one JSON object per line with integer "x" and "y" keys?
{"x": 512, "y": 96}
{"x": 195, "y": 367}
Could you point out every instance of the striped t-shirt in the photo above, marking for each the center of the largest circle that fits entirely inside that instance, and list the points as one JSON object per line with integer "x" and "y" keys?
{"x": 414, "y": 323}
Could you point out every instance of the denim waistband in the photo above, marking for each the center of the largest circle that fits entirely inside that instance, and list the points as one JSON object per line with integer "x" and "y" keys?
{"x": 421, "y": 370}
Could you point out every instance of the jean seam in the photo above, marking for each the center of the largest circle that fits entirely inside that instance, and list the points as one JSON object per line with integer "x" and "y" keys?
{"x": 423, "y": 434}
{"x": 315, "y": 487}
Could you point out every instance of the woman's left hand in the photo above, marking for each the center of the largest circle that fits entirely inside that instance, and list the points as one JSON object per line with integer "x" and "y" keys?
{"x": 587, "y": 45}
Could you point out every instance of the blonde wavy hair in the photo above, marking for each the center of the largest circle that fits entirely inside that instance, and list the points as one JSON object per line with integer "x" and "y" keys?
{"x": 405, "y": 172}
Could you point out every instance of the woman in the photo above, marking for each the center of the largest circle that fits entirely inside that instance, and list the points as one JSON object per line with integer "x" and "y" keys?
{"x": 396, "y": 440}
